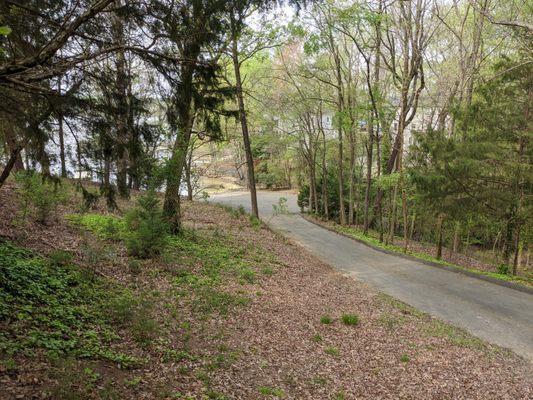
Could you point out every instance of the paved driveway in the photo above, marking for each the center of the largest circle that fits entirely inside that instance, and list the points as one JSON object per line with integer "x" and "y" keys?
{"x": 500, "y": 315}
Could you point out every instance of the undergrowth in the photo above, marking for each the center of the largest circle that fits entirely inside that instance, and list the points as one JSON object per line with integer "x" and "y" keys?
{"x": 207, "y": 261}
{"x": 54, "y": 307}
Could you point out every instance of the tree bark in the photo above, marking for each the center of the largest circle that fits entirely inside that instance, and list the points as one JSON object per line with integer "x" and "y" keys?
{"x": 440, "y": 220}
{"x": 61, "y": 138}
{"x": 11, "y": 162}
{"x": 122, "y": 107}
{"x": 243, "y": 119}
{"x": 456, "y": 237}
{"x": 374, "y": 125}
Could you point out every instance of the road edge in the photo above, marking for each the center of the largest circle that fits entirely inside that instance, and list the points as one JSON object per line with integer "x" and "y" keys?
{"x": 511, "y": 285}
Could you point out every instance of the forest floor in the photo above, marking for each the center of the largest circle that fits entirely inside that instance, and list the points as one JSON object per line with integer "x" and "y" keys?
{"x": 231, "y": 310}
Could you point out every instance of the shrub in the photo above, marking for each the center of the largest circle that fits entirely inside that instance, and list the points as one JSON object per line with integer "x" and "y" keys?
{"x": 326, "y": 319}
{"x": 350, "y": 319}
{"x": 147, "y": 229}
{"x": 281, "y": 207}
{"x": 503, "y": 269}
{"x": 40, "y": 196}
{"x": 90, "y": 199}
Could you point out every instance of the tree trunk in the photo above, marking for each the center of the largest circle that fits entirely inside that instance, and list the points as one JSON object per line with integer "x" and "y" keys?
{"x": 242, "y": 117}
{"x": 516, "y": 250}
{"x": 373, "y": 125}
{"x": 61, "y": 139}
{"x": 456, "y": 237}
{"x": 122, "y": 107}
{"x": 183, "y": 103}
{"x": 369, "y": 151}
{"x": 11, "y": 162}
{"x": 440, "y": 220}
{"x": 392, "y": 217}
{"x": 62, "y": 146}
{"x": 412, "y": 231}
{"x": 351, "y": 194}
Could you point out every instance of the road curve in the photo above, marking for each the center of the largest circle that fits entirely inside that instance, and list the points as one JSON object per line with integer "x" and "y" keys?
{"x": 497, "y": 314}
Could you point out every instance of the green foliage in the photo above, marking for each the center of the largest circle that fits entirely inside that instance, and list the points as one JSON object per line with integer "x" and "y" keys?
{"x": 5, "y": 30}
{"x": 271, "y": 391}
{"x": 404, "y": 358}
{"x": 332, "y": 351}
{"x": 206, "y": 260}
{"x": 350, "y": 319}
{"x": 281, "y": 207}
{"x": 317, "y": 338}
{"x": 147, "y": 229}
{"x": 255, "y": 222}
{"x": 54, "y": 307}
{"x": 107, "y": 227}
{"x": 503, "y": 269}
{"x": 40, "y": 196}
{"x": 90, "y": 199}
{"x": 326, "y": 320}
{"x": 134, "y": 266}
{"x": 61, "y": 258}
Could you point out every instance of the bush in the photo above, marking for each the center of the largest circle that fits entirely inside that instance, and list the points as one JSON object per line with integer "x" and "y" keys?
{"x": 147, "y": 229}
{"x": 503, "y": 269}
{"x": 40, "y": 196}
{"x": 90, "y": 199}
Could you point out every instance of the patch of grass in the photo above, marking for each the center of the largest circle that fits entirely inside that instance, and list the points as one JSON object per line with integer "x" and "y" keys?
{"x": 404, "y": 358}
{"x": 255, "y": 222}
{"x": 134, "y": 266}
{"x": 133, "y": 382}
{"x": 390, "y": 321}
{"x": 247, "y": 275}
{"x": 173, "y": 355}
{"x": 271, "y": 391}
{"x": 326, "y": 320}
{"x": 401, "y": 306}
{"x": 350, "y": 319}
{"x": 207, "y": 261}
{"x": 268, "y": 271}
{"x": 319, "y": 381}
{"x": 456, "y": 336}
{"x": 56, "y": 309}
{"x": 339, "y": 396}
{"x": 106, "y": 227}
{"x": 332, "y": 351}
{"x": 316, "y": 338}
{"x": 209, "y": 300}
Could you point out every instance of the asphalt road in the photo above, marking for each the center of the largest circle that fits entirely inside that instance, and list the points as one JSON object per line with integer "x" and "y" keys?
{"x": 497, "y": 314}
